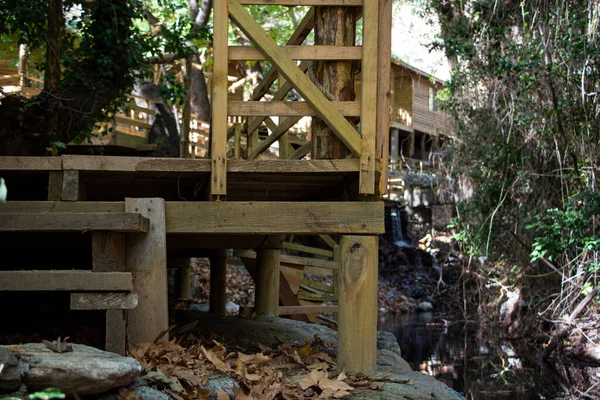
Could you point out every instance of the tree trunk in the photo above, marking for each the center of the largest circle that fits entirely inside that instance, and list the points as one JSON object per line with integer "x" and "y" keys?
{"x": 198, "y": 91}
{"x": 55, "y": 21}
{"x": 333, "y": 26}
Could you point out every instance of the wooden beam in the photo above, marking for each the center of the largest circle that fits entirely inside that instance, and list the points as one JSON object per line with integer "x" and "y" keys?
{"x": 302, "y": 151}
{"x": 338, "y": 3}
{"x": 294, "y": 310}
{"x": 302, "y": 31}
{"x": 70, "y": 281}
{"x": 147, "y": 262}
{"x": 30, "y": 163}
{"x": 218, "y": 140}
{"x": 249, "y": 53}
{"x": 267, "y": 282}
{"x": 73, "y": 222}
{"x": 357, "y": 323}
{"x": 287, "y": 260}
{"x": 291, "y": 108}
{"x": 307, "y": 249}
{"x": 329, "y": 240}
{"x": 218, "y": 282}
{"x": 281, "y": 130}
{"x": 108, "y": 252}
{"x": 55, "y": 185}
{"x": 115, "y": 338}
{"x": 273, "y": 218}
{"x": 73, "y": 187}
{"x": 61, "y": 207}
{"x": 368, "y": 101}
{"x": 384, "y": 55}
{"x": 104, "y": 301}
{"x": 336, "y": 121}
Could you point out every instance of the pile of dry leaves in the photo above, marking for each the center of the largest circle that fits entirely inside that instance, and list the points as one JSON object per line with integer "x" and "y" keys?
{"x": 181, "y": 367}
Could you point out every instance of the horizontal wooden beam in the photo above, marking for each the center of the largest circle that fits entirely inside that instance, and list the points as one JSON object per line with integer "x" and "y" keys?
{"x": 287, "y": 108}
{"x": 295, "y": 310}
{"x": 104, "y": 301}
{"x": 62, "y": 207}
{"x": 179, "y": 165}
{"x": 293, "y": 261}
{"x": 308, "y": 53}
{"x": 73, "y": 222}
{"x": 339, "y": 3}
{"x": 65, "y": 281}
{"x": 30, "y": 164}
{"x": 272, "y": 218}
{"x": 307, "y": 249}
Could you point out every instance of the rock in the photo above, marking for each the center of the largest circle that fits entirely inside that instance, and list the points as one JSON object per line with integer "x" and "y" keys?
{"x": 232, "y": 308}
{"x": 147, "y": 393}
{"x": 84, "y": 371}
{"x": 387, "y": 341}
{"x": 424, "y": 306}
{"x": 221, "y": 382}
{"x": 10, "y": 374}
{"x": 199, "y": 307}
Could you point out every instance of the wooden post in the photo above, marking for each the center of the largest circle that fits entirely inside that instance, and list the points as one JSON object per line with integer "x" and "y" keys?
{"x": 333, "y": 26}
{"x": 55, "y": 185}
{"x": 73, "y": 188}
{"x": 357, "y": 323}
{"x": 108, "y": 255}
{"x": 184, "y": 276}
{"x": 218, "y": 282}
{"x": 384, "y": 56}
{"x": 147, "y": 262}
{"x": 23, "y": 62}
{"x": 267, "y": 282}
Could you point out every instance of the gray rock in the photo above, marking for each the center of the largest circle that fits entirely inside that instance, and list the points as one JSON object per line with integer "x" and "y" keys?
{"x": 84, "y": 371}
{"x": 424, "y": 306}
{"x": 387, "y": 341}
{"x": 148, "y": 393}
{"x": 10, "y": 372}
{"x": 221, "y": 382}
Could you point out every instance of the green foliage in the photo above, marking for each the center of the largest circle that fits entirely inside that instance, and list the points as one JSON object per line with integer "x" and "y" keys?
{"x": 47, "y": 394}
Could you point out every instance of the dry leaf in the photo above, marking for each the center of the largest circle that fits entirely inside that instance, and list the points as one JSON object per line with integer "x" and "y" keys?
{"x": 258, "y": 359}
{"x": 212, "y": 357}
{"x": 221, "y": 395}
{"x": 59, "y": 347}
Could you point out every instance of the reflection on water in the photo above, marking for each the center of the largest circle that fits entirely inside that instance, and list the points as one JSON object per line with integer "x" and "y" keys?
{"x": 474, "y": 362}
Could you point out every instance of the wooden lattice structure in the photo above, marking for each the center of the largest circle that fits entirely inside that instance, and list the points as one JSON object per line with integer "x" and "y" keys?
{"x": 141, "y": 215}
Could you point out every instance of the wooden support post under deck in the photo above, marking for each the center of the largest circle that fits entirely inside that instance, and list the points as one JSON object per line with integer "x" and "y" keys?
{"x": 184, "y": 277}
{"x": 267, "y": 282}
{"x": 357, "y": 323}
{"x": 218, "y": 282}
{"x": 384, "y": 55}
{"x": 147, "y": 262}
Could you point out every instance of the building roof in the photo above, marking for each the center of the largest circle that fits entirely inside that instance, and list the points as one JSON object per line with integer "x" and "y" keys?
{"x": 416, "y": 70}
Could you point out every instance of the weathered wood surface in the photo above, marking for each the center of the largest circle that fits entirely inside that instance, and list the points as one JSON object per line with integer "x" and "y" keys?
{"x": 73, "y": 187}
{"x": 296, "y": 77}
{"x": 307, "y": 249}
{"x": 384, "y": 55}
{"x": 72, "y": 222}
{"x": 347, "y": 3}
{"x": 357, "y": 322}
{"x": 116, "y": 332}
{"x": 65, "y": 281}
{"x": 294, "y": 310}
{"x": 265, "y": 218}
{"x": 248, "y": 53}
{"x": 61, "y": 207}
{"x": 147, "y": 262}
{"x": 104, "y": 301}
{"x": 267, "y": 282}
{"x": 108, "y": 252}
{"x": 218, "y": 282}
{"x": 141, "y": 164}
{"x": 30, "y": 164}
{"x": 55, "y": 185}
{"x": 286, "y": 259}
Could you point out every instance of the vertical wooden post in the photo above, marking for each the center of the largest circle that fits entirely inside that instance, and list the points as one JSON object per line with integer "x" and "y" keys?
{"x": 384, "y": 60}
{"x": 357, "y": 323}
{"x": 73, "y": 188}
{"x": 147, "y": 262}
{"x": 23, "y": 62}
{"x": 284, "y": 147}
{"x": 186, "y": 117}
{"x": 52, "y": 71}
{"x": 237, "y": 147}
{"x": 184, "y": 276}
{"x": 218, "y": 142}
{"x": 368, "y": 99}
{"x": 55, "y": 185}
{"x": 267, "y": 282}
{"x": 108, "y": 255}
{"x": 218, "y": 282}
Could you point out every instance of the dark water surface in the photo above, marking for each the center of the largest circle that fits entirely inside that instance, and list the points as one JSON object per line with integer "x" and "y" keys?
{"x": 474, "y": 361}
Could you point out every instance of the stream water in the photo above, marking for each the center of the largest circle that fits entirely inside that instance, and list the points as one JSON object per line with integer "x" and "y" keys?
{"x": 473, "y": 361}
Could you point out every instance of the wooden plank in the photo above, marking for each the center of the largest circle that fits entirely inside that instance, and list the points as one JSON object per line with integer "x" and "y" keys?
{"x": 147, "y": 262}
{"x": 287, "y": 296}
{"x": 116, "y": 332}
{"x": 282, "y": 129}
{"x": 329, "y": 240}
{"x": 72, "y": 222}
{"x": 249, "y": 53}
{"x": 293, "y": 310}
{"x": 61, "y": 207}
{"x": 71, "y": 281}
{"x": 289, "y": 260}
{"x": 302, "y": 31}
{"x": 218, "y": 280}
{"x": 302, "y": 151}
{"x": 316, "y": 296}
{"x": 283, "y": 217}
{"x": 267, "y": 282}
{"x": 316, "y": 285}
{"x": 104, "y": 301}
{"x": 334, "y": 119}
{"x": 368, "y": 100}
{"x": 307, "y": 249}
{"x": 357, "y": 323}
{"x": 338, "y": 3}
{"x": 143, "y": 164}
{"x": 218, "y": 142}
{"x": 30, "y": 163}
{"x": 384, "y": 54}
{"x": 291, "y": 108}
{"x": 122, "y": 119}
{"x": 55, "y": 185}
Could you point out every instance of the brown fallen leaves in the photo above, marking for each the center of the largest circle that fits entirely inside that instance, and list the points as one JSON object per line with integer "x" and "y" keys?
{"x": 285, "y": 372}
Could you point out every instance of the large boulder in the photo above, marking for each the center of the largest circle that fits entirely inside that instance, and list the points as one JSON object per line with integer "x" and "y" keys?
{"x": 84, "y": 371}
{"x": 10, "y": 372}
